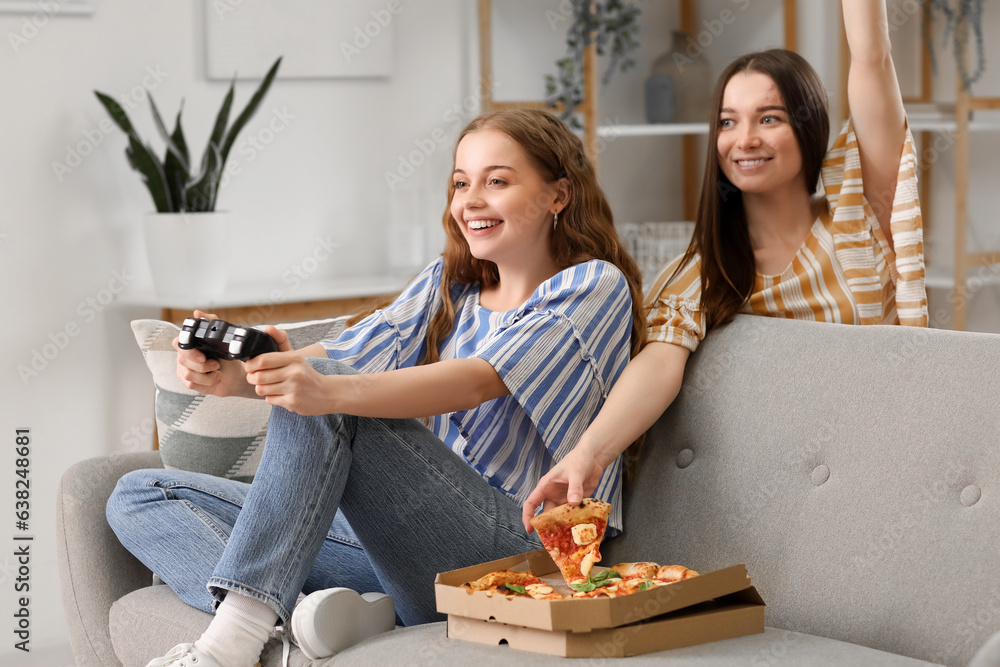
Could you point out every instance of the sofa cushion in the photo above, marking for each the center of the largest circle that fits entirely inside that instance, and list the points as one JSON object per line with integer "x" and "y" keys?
{"x": 219, "y": 436}
{"x": 989, "y": 654}
{"x": 148, "y": 622}
{"x": 428, "y": 645}
{"x": 850, "y": 468}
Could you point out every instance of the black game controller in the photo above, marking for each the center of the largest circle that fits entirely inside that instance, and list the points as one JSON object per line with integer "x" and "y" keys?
{"x": 222, "y": 340}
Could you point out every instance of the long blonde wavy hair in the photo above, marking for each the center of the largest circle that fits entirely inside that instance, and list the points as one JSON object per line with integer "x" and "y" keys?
{"x": 585, "y": 231}
{"x": 586, "y": 228}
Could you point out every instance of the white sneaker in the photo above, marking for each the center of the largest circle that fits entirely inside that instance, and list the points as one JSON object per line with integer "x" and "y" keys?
{"x": 184, "y": 655}
{"x": 329, "y": 621}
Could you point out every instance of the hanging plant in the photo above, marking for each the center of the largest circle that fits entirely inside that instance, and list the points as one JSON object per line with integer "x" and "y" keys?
{"x": 967, "y": 14}
{"x": 611, "y": 25}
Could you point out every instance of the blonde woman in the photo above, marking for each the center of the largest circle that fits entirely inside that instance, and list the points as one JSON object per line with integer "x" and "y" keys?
{"x": 508, "y": 343}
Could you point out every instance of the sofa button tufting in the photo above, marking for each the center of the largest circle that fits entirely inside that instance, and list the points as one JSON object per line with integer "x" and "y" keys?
{"x": 684, "y": 458}
{"x": 819, "y": 475}
{"x": 971, "y": 495}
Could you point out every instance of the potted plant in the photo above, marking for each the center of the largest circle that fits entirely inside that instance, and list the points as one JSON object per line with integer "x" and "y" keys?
{"x": 959, "y": 21}
{"x": 186, "y": 237}
{"x": 612, "y": 26}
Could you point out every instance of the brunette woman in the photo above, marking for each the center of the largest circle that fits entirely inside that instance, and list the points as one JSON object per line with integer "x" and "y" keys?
{"x": 785, "y": 228}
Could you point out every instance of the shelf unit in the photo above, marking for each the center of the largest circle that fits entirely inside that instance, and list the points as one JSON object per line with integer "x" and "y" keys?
{"x": 965, "y": 105}
{"x": 689, "y": 132}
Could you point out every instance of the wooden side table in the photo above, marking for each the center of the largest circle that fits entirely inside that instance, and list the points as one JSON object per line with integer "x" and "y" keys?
{"x": 296, "y": 311}
{"x": 264, "y": 305}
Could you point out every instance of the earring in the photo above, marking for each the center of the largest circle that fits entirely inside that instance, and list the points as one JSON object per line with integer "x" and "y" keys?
{"x": 555, "y": 220}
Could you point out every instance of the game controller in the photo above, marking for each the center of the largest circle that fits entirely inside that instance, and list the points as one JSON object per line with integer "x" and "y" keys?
{"x": 222, "y": 340}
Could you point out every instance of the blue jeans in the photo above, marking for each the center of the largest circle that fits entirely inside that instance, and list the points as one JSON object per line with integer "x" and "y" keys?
{"x": 365, "y": 503}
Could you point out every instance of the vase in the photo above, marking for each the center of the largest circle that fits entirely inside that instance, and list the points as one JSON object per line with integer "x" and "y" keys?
{"x": 659, "y": 98}
{"x": 189, "y": 254}
{"x": 679, "y": 86}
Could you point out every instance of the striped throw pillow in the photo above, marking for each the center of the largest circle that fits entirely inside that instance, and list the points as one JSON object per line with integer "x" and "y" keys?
{"x": 219, "y": 436}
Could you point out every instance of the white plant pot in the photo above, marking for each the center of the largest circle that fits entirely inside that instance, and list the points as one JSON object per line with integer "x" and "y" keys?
{"x": 189, "y": 254}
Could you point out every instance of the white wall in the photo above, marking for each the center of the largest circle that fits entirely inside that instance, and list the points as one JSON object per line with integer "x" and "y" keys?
{"x": 64, "y": 236}
{"x": 62, "y": 241}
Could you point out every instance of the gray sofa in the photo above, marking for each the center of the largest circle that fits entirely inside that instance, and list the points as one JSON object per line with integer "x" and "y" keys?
{"x": 854, "y": 470}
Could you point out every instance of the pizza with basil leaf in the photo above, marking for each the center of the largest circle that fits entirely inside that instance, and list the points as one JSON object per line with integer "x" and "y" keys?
{"x": 512, "y": 584}
{"x": 628, "y": 578}
{"x": 572, "y": 535}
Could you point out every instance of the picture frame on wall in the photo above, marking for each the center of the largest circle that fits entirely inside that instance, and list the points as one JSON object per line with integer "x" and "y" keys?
{"x": 47, "y": 8}
{"x": 317, "y": 40}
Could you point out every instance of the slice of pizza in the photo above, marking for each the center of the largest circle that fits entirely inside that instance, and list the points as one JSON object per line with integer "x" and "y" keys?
{"x": 511, "y": 583}
{"x": 630, "y": 571}
{"x": 637, "y": 577}
{"x": 668, "y": 574}
{"x": 572, "y": 534}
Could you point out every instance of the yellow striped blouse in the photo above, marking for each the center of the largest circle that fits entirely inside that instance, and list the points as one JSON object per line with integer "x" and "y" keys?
{"x": 845, "y": 271}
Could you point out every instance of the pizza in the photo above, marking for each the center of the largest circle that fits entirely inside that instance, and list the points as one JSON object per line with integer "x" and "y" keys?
{"x": 636, "y": 570}
{"x": 572, "y": 534}
{"x": 671, "y": 573}
{"x": 627, "y": 578}
{"x": 512, "y": 584}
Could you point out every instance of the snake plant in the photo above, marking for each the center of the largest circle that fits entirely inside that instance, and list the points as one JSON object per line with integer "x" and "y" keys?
{"x": 172, "y": 182}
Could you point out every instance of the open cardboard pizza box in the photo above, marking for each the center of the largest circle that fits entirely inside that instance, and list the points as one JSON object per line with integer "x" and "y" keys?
{"x": 713, "y": 606}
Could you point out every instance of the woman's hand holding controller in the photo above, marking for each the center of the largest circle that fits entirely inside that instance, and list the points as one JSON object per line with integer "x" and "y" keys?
{"x": 285, "y": 378}
{"x": 215, "y": 377}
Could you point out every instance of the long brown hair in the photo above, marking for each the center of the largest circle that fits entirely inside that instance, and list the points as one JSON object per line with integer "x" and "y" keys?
{"x": 585, "y": 231}
{"x": 721, "y": 236}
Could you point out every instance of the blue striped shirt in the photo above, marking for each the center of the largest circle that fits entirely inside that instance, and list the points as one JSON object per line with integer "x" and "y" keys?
{"x": 558, "y": 353}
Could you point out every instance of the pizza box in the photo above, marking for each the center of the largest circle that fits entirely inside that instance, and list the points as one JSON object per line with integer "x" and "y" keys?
{"x": 733, "y": 615}
{"x": 577, "y": 615}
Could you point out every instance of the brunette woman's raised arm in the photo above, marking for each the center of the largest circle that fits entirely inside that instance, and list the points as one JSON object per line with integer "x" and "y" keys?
{"x": 876, "y": 103}
{"x": 647, "y": 386}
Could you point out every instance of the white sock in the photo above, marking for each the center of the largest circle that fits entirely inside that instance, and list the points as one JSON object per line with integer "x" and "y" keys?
{"x": 237, "y": 634}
